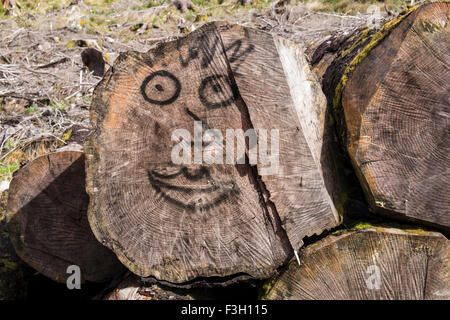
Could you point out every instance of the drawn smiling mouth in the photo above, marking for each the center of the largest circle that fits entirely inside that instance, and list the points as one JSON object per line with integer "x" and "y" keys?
{"x": 201, "y": 197}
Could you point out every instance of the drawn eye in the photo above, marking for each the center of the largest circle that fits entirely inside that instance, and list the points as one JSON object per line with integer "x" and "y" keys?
{"x": 191, "y": 190}
{"x": 217, "y": 91}
{"x": 161, "y": 88}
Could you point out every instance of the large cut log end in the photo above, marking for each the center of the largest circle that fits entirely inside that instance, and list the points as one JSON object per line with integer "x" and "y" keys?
{"x": 195, "y": 216}
{"x": 371, "y": 263}
{"x": 47, "y": 219}
{"x": 389, "y": 90}
{"x": 397, "y": 118}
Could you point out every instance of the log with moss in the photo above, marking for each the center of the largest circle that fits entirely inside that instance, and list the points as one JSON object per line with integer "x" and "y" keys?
{"x": 199, "y": 218}
{"x": 47, "y": 216}
{"x": 389, "y": 92}
{"x": 368, "y": 263}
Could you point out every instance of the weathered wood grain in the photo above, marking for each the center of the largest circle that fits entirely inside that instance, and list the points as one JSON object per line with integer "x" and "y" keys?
{"x": 177, "y": 223}
{"x": 370, "y": 264}
{"x": 47, "y": 219}
{"x": 390, "y": 93}
{"x": 280, "y": 92}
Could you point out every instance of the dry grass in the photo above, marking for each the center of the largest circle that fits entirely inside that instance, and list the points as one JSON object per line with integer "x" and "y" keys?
{"x": 38, "y": 100}
{"x": 358, "y": 7}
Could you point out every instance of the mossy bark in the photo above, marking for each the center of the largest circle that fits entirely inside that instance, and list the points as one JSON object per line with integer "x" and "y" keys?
{"x": 388, "y": 97}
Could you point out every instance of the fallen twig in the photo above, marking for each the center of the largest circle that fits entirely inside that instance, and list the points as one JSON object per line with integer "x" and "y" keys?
{"x": 52, "y": 64}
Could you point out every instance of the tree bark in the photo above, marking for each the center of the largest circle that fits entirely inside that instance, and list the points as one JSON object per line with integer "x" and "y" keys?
{"x": 177, "y": 223}
{"x": 373, "y": 263}
{"x": 389, "y": 90}
{"x": 47, "y": 217}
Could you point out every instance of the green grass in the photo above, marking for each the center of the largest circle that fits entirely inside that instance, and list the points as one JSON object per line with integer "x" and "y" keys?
{"x": 7, "y": 170}
{"x": 60, "y": 107}
{"x": 155, "y": 3}
{"x": 31, "y": 110}
{"x": 9, "y": 145}
{"x": 3, "y": 11}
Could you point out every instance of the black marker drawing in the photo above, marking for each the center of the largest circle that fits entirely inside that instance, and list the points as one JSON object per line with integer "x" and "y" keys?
{"x": 205, "y": 126}
{"x": 237, "y": 55}
{"x": 208, "y": 50}
{"x": 161, "y": 88}
{"x": 192, "y": 54}
{"x": 221, "y": 190}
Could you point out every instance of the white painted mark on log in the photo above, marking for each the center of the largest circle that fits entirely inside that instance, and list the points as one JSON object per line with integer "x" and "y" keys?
{"x": 296, "y": 257}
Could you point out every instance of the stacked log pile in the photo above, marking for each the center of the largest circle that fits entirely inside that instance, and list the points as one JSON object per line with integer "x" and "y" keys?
{"x": 153, "y": 188}
{"x": 47, "y": 216}
{"x": 389, "y": 92}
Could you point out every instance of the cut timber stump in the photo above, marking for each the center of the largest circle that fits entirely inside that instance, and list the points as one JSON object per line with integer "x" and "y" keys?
{"x": 372, "y": 263}
{"x": 179, "y": 222}
{"x": 390, "y": 91}
{"x": 47, "y": 218}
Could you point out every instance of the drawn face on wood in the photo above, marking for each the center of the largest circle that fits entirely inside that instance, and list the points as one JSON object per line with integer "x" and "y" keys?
{"x": 186, "y": 82}
{"x": 178, "y": 222}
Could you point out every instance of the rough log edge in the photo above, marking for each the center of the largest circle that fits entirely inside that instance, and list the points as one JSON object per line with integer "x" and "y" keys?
{"x": 391, "y": 228}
